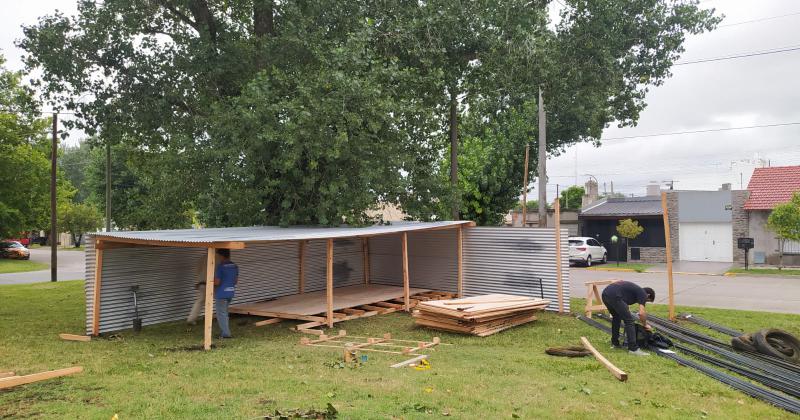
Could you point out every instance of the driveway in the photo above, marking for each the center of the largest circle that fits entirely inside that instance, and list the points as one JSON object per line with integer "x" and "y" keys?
{"x": 773, "y": 294}
{"x": 70, "y": 267}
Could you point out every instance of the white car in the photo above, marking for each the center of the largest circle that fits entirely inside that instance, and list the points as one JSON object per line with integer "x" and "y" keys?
{"x": 585, "y": 250}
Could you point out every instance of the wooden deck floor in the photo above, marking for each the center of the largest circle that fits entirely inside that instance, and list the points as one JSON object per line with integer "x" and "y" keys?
{"x": 313, "y": 303}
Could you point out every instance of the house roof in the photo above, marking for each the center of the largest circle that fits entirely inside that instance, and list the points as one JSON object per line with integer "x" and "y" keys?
{"x": 771, "y": 186}
{"x": 628, "y": 206}
{"x": 221, "y": 236}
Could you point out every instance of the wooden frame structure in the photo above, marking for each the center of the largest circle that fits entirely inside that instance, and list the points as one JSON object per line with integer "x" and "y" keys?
{"x": 593, "y": 300}
{"x": 350, "y": 344}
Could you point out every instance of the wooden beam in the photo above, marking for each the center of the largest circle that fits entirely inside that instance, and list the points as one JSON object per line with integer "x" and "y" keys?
{"x": 406, "y": 282}
{"x": 7, "y": 374}
{"x": 301, "y": 255}
{"x": 365, "y": 251}
{"x": 267, "y": 322}
{"x": 73, "y": 337}
{"x": 671, "y": 291}
{"x": 209, "y": 312}
{"x": 409, "y": 361}
{"x": 329, "y": 283}
{"x": 617, "y": 372}
{"x": 13, "y": 381}
{"x": 98, "y": 281}
{"x": 559, "y": 278}
{"x": 460, "y": 258}
{"x": 179, "y": 244}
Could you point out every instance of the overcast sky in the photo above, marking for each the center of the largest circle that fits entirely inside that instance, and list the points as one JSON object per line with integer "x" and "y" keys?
{"x": 759, "y": 90}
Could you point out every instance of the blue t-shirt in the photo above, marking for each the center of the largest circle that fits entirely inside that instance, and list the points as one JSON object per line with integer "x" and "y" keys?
{"x": 227, "y": 272}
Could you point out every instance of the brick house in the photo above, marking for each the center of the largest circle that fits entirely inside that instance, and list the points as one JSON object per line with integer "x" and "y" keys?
{"x": 769, "y": 187}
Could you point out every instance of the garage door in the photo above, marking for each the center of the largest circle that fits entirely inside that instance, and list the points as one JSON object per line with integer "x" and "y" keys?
{"x": 706, "y": 242}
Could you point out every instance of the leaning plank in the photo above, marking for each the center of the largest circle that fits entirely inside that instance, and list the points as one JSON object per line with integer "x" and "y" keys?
{"x": 267, "y": 322}
{"x": 409, "y": 361}
{"x": 7, "y": 374}
{"x": 73, "y": 337}
{"x": 617, "y": 372}
{"x": 36, "y": 377}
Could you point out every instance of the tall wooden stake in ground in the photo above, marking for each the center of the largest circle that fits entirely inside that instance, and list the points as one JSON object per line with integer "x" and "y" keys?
{"x": 669, "y": 255}
{"x": 98, "y": 281}
{"x": 557, "y": 207}
{"x": 329, "y": 283}
{"x": 460, "y": 264}
{"x": 53, "y": 230}
{"x": 525, "y": 187}
{"x": 108, "y": 186}
{"x": 542, "y": 164}
{"x": 406, "y": 285}
{"x": 209, "y": 312}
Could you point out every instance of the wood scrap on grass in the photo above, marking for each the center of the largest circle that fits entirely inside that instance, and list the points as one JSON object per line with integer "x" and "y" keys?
{"x": 13, "y": 381}
{"x": 479, "y": 315}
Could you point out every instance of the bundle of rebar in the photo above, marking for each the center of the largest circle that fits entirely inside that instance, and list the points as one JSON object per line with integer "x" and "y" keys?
{"x": 712, "y": 325}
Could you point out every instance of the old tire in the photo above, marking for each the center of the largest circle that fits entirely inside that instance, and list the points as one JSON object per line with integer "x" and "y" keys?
{"x": 778, "y": 343}
{"x": 744, "y": 343}
{"x": 571, "y": 351}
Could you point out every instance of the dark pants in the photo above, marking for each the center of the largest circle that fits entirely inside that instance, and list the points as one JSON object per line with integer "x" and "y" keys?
{"x": 620, "y": 313}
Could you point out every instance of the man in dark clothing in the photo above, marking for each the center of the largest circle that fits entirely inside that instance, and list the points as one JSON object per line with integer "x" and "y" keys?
{"x": 617, "y": 296}
{"x": 225, "y": 278}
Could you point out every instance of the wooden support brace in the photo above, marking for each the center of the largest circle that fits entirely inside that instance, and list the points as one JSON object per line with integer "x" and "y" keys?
{"x": 13, "y": 381}
{"x": 406, "y": 283}
{"x": 351, "y": 311}
{"x": 388, "y": 305}
{"x": 209, "y": 308}
{"x": 73, "y": 337}
{"x": 98, "y": 274}
{"x": 409, "y": 361}
{"x": 460, "y": 266}
{"x": 617, "y": 372}
{"x": 267, "y": 322}
{"x": 7, "y": 374}
{"x": 329, "y": 282}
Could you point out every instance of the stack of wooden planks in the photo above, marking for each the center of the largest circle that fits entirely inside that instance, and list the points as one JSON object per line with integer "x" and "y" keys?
{"x": 479, "y": 315}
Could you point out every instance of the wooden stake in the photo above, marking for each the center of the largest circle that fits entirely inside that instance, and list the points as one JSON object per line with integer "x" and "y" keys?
{"x": 98, "y": 274}
{"x": 406, "y": 283}
{"x": 617, "y": 372}
{"x": 365, "y": 251}
{"x": 36, "y": 377}
{"x": 329, "y": 283}
{"x": 301, "y": 254}
{"x": 209, "y": 312}
{"x": 267, "y": 322}
{"x": 73, "y": 337}
{"x": 525, "y": 188}
{"x": 460, "y": 258}
{"x": 668, "y": 244}
{"x": 558, "y": 256}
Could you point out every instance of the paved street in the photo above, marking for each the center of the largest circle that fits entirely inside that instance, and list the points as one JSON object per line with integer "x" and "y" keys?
{"x": 70, "y": 267}
{"x": 773, "y": 294}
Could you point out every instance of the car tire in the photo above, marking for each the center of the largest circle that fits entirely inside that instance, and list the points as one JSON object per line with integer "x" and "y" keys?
{"x": 778, "y": 343}
{"x": 744, "y": 343}
{"x": 605, "y": 258}
{"x": 589, "y": 261}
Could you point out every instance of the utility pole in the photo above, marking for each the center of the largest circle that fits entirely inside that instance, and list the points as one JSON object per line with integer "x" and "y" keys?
{"x": 108, "y": 186}
{"x": 525, "y": 187}
{"x": 542, "y": 164}
{"x": 612, "y": 188}
{"x": 53, "y": 230}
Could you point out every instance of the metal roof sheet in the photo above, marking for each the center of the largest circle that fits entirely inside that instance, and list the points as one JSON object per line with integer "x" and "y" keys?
{"x": 272, "y": 233}
{"x": 628, "y": 206}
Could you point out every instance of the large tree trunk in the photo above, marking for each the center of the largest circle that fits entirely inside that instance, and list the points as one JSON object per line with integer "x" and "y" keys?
{"x": 263, "y": 20}
{"x": 453, "y": 122}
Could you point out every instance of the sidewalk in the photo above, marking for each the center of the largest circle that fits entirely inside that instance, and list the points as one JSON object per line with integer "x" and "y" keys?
{"x": 706, "y": 268}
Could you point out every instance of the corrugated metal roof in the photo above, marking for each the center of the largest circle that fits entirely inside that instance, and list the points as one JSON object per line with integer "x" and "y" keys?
{"x": 272, "y": 233}
{"x": 628, "y": 206}
{"x": 772, "y": 186}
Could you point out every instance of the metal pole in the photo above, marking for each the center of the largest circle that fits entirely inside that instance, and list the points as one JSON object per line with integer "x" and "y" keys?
{"x": 542, "y": 164}
{"x": 108, "y": 186}
{"x": 53, "y": 230}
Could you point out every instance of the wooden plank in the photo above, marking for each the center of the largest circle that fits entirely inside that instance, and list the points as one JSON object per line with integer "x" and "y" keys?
{"x": 7, "y": 374}
{"x": 73, "y": 337}
{"x": 351, "y": 311}
{"x": 209, "y": 310}
{"x": 177, "y": 244}
{"x": 284, "y": 315}
{"x": 471, "y": 302}
{"x": 13, "y": 381}
{"x": 365, "y": 251}
{"x": 409, "y": 361}
{"x": 388, "y": 305}
{"x": 329, "y": 283}
{"x": 301, "y": 254}
{"x": 267, "y": 322}
{"x": 559, "y": 277}
{"x": 406, "y": 283}
{"x": 98, "y": 275}
{"x": 617, "y": 372}
{"x": 671, "y": 290}
{"x": 460, "y": 258}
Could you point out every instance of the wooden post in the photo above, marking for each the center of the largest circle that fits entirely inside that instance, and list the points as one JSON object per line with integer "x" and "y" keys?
{"x": 329, "y": 283}
{"x": 209, "y": 312}
{"x": 559, "y": 279}
{"x": 365, "y": 251}
{"x": 98, "y": 274}
{"x": 460, "y": 285}
{"x": 668, "y": 244}
{"x": 406, "y": 286}
{"x": 525, "y": 188}
{"x": 301, "y": 254}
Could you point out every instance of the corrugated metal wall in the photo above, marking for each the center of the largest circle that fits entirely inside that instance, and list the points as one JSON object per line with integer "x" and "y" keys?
{"x": 496, "y": 260}
{"x": 505, "y": 260}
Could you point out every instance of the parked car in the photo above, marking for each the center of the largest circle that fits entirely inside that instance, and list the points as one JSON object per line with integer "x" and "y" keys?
{"x": 585, "y": 250}
{"x": 14, "y": 250}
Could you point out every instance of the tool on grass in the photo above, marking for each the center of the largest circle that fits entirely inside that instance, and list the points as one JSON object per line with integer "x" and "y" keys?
{"x": 137, "y": 322}
{"x": 423, "y": 364}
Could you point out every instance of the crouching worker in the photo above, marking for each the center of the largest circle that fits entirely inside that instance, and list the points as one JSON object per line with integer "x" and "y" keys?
{"x": 225, "y": 278}
{"x": 617, "y": 296}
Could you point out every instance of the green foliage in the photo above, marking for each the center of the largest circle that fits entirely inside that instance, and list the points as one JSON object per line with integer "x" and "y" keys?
{"x": 571, "y": 197}
{"x": 531, "y": 205}
{"x": 630, "y": 229}
{"x": 785, "y": 219}
{"x": 78, "y": 219}
{"x": 73, "y": 164}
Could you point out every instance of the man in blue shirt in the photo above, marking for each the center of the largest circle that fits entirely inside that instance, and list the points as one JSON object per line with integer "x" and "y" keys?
{"x": 225, "y": 278}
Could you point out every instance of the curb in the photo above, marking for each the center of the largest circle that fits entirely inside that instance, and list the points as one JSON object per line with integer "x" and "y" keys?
{"x": 626, "y": 270}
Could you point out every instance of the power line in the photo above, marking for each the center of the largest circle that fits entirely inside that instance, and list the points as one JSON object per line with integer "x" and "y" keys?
{"x": 758, "y": 20}
{"x": 710, "y": 130}
{"x": 743, "y": 55}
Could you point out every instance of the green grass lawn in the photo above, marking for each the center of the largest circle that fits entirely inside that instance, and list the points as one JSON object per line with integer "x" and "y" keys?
{"x": 611, "y": 266}
{"x": 766, "y": 271}
{"x": 72, "y": 248}
{"x": 19, "y": 266}
{"x": 152, "y": 375}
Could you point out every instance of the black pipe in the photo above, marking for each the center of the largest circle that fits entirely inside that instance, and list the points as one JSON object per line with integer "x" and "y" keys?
{"x": 712, "y": 325}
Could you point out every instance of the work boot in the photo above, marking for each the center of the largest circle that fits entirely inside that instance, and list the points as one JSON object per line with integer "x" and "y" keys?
{"x": 639, "y": 352}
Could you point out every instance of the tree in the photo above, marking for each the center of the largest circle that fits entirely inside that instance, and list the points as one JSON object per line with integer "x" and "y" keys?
{"x": 73, "y": 163}
{"x": 79, "y": 218}
{"x": 784, "y": 220}
{"x": 628, "y": 229}
{"x": 572, "y": 197}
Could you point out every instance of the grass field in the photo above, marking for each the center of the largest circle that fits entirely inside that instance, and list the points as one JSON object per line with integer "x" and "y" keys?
{"x": 766, "y": 271}
{"x": 154, "y": 374}
{"x": 19, "y": 266}
{"x": 623, "y": 266}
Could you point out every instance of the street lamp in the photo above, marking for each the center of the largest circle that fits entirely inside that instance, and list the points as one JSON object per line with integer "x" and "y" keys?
{"x": 615, "y": 240}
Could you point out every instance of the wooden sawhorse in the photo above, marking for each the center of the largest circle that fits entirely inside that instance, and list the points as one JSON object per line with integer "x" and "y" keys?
{"x": 593, "y": 300}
